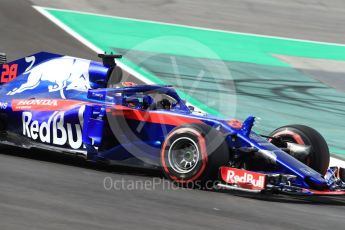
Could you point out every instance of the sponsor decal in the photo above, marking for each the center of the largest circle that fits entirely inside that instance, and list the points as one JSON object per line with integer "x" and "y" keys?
{"x": 64, "y": 73}
{"x": 54, "y": 130}
{"x": 3, "y": 105}
{"x": 45, "y": 104}
{"x": 307, "y": 171}
{"x": 243, "y": 178}
{"x": 8, "y": 73}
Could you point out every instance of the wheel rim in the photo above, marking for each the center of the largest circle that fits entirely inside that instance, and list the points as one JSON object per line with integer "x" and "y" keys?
{"x": 183, "y": 155}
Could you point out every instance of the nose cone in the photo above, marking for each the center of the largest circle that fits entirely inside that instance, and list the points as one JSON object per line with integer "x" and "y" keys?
{"x": 316, "y": 182}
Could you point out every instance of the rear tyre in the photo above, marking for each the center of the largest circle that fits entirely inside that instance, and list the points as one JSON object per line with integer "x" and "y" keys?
{"x": 304, "y": 135}
{"x": 192, "y": 154}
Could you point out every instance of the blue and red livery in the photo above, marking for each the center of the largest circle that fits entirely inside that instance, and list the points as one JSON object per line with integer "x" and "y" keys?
{"x": 72, "y": 105}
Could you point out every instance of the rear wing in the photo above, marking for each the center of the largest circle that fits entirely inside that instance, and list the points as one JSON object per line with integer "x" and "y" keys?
{"x": 97, "y": 74}
{"x": 3, "y": 58}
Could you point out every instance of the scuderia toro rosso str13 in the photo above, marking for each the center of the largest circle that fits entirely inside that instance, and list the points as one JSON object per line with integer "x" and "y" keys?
{"x": 65, "y": 104}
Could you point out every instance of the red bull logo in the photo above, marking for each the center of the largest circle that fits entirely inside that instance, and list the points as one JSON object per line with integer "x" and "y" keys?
{"x": 243, "y": 177}
{"x": 54, "y": 130}
{"x": 64, "y": 73}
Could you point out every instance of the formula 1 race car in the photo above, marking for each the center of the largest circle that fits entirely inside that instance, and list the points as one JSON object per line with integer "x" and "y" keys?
{"x": 77, "y": 106}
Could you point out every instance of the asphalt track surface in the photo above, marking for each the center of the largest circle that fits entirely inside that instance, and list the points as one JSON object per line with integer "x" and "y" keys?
{"x": 40, "y": 190}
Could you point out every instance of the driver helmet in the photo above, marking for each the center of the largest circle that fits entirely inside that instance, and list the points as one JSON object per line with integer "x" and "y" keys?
{"x": 166, "y": 104}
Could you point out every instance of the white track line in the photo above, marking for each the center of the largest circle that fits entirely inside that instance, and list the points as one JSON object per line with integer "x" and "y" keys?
{"x": 93, "y": 47}
{"x": 196, "y": 27}
{"x": 337, "y": 162}
{"x": 333, "y": 161}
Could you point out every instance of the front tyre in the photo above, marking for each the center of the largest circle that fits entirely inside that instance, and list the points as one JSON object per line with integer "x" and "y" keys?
{"x": 319, "y": 156}
{"x": 193, "y": 153}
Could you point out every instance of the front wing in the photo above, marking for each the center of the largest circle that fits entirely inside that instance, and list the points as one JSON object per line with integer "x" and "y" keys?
{"x": 276, "y": 183}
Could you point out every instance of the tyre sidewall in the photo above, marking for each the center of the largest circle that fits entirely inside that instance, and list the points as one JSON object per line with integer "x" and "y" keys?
{"x": 212, "y": 148}
{"x": 196, "y": 173}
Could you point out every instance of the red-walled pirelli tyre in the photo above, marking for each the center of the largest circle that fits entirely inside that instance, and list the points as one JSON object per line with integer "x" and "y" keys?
{"x": 193, "y": 153}
{"x": 304, "y": 135}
